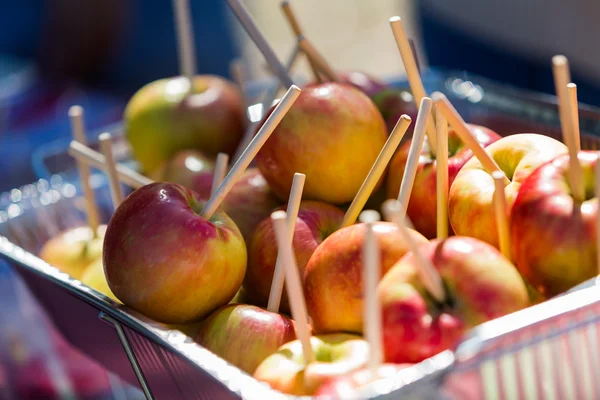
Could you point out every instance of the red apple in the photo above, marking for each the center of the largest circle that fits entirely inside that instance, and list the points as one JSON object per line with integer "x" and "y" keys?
{"x": 333, "y": 275}
{"x": 183, "y": 168}
{"x": 470, "y": 201}
{"x": 316, "y": 221}
{"x": 553, "y": 236}
{"x": 480, "y": 284}
{"x": 333, "y": 133}
{"x": 245, "y": 335}
{"x": 164, "y": 260}
{"x": 422, "y": 204}
{"x": 368, "y": 84}
{"x": 392, "y": 103}
{"x": 162, "y": 118}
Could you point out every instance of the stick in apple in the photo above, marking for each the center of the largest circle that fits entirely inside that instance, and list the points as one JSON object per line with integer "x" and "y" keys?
{"x": 562, "y": 76}
{"x": 250, "y": 152}
{"x": 293, "y": 286}
{"x": 238, "y": 73}
{"x": 377, "y": 170}
{"x": 78, "y": 133}
{"x": 185, "y": 40}
{"x": 221, "y": 165}
{"x": 292, "y": 214}
{"x": 371, "y": 307}
{"x": 111, "y": 169}
{"x": 94, "y": 159}
{"x": 460, "y": 127}
{"x": 414, "y": 153}
{"x": 501, "y": 214}
{"x": 310, "y": 50}
{"x": 571, "y": 136}
{"x": 597, "y": 193}
{"x": 441, "y": 170}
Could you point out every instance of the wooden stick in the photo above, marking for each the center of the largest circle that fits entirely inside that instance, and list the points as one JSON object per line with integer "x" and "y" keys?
{"x": 310, "y": 50}
{"x": 501, "y": 214}
{"x": 572, "y": 140}
{"x": 185, "y": 40}
{"x": 562, "y": 76}
{"x": 441, "y": 171}
{"x": 387, "y": 209}
{"x": 94, "y": 159}
{"x": 372, "y": 323}
{"x": 242, "y": 14}
{"x": 250, "y": 152}
{"x": 110, "y": 168}
{"x": 238, "y": 73}
{"x": 414, "y": 154}
{"x": 220, "y": 170}
{"x": 293, "y": 286}
{"x": 292, "y": 214}
{"x": 293, "y": 22}
{"x": 464, "y": 133}
{"x": 412, "y": 73}
{"x": 597, "y": 193}
{"x": 377, "y": 170}
{"x": 78, "y": 133}
{"x": 413, "y": 49}
{"x": 428, "y": 273}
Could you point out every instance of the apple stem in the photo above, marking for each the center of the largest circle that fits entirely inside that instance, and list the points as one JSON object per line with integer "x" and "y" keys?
{"x": 412, "y": 73}
{"x": 250, "y": 152}
{"x": 111, "y": 170}
{"x": 78, "y": 133}
{"x": 293, "y": 286}
{"x": 292, "y": 214}
{"x": 414, "y": 154}
{"x": 317, "y": 58}
{"x": 441, "y": 177}
{"x": 377, "y": 170}
{"x": 573, "y": 144}
{"x": 94, "y": 159}
{"x": 185, "y": 40}
{"x": 501, "y": 214}
{"x": 372, "y": 320}
{"x": 597, "y": 193}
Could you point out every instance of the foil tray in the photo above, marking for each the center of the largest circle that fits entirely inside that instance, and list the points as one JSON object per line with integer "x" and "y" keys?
{"x": 549, "y": 350}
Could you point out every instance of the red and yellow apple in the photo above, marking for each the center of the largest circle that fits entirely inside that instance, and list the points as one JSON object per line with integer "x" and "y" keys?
{"x": 164, "y": 260}
{"x": 392, "y": 103}
{"x": 183, "y": 168}
{"x": 94, "y": 277}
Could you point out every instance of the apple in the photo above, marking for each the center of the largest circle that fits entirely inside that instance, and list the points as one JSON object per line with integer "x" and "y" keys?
{"x": 183, "y": 168}
{"x": 94, "y": 277}
{"x": 333, "y": 275}
{"x": 164, "y": 260}
{"x": 422, "y": 204}
{"x": 470, "y": 200}
{"x": 245, "y": 335}
{"x": 333, "y": 133}
{"x": 392, "y": 103}
{"x": 73, "y": 250}
{"x": 336, "y": 355}
{"x": 162, "y": 119}
{"x": 480, "y": 284}
{"x": 553, "y": 236}
{"x": 316, "y": 221}
{"x": 368, "y": 84}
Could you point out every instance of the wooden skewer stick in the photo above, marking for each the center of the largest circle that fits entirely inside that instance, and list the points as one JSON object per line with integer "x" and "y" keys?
{"x": 377, "y": 170}
{"x": 413, "y": 49}
{"x": 310, "y": 50}
{"x": 185, "y": 39}
{"x": 293, "y": 22}
{"x": 221, "y": 165}
{"x": 94, "y": 159}
{"x": 501, "y": 214}
{"x": 429, "y": 275}
{"x": 250, "y": 152}
{"x": 242, "y": 14}
{"x": 78, "y": 133}
{"x": 597, "y": 193}
{"x": 293, "y": 286}
{"x": 414, "y": 154}
{"x": 292, "y": 214}
{"x": 372, "y": 321}
{"x": 412, "y": 73}
{"x": 462, "y": 130}
{"x": 111, "y": 169}
{"x": 572, "y": 140}
{"x": 562, "y": 76}
{"x": 441, "y": 171}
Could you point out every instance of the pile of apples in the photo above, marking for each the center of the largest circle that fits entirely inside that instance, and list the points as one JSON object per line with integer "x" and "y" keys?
{"x": 498, "y": 223}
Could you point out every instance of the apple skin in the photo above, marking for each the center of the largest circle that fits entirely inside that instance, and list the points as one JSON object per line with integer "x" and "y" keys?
{"x": 333, "y": 275}
{"x": 470, "y": 200}
{"x": 336, "y": 355}
{"x": 422, "y": 208}
{"x": 74, "y": 249}
{"x": 368, "y": 84}
{"x": 161, "y": 119}
{"x": 183, "y": 168}
{"x": 95, "y": 278}
{"x": 392, "y": 103}
{"x": 480, "y": 283}
{"x": 333, "y": 133}
{"x": 245, "y": 335}
{"x": 164, "y": 260}
{"x": 316, "y": 221}
{"x": 554, "y": 237}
